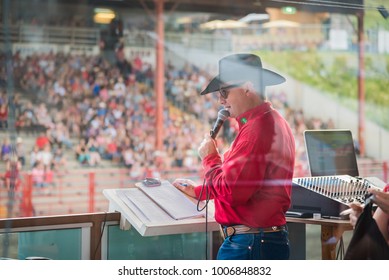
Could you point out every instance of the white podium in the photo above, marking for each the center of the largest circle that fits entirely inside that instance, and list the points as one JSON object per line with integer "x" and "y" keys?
{"x": 131, "y": 215}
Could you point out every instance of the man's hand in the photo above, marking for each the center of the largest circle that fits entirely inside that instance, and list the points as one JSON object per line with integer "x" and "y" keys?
{"x": 356, "y": 210}
{"x": 186, "y": 186}
{"x": 207, "y": 147}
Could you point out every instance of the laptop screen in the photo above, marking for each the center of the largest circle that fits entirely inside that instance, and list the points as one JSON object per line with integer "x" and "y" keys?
{"x": 331, "y": 152}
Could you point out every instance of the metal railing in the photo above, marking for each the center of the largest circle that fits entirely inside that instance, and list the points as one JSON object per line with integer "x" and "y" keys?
{"x": 304, "y": 37}
{"x": 51, "y": 35}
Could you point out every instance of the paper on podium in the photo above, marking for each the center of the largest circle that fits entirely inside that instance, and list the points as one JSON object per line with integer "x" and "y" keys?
{"x": 142, "y": 206}
{"x": 171, "y": 200}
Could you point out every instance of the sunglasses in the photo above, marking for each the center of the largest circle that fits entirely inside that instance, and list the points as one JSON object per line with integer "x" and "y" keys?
{"x": 224, "y": 91}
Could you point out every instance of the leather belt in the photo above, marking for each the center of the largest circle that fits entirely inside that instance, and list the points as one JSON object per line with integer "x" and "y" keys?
{"x": 242, "y": 229}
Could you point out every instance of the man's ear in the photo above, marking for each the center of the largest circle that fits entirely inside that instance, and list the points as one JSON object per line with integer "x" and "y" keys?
{"x": 248, "y": 87}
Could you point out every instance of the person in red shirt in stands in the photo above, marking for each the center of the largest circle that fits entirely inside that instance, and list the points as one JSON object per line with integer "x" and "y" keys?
{"x": 42, "y": 140}
{"x": 12, "y": 178}
{"x": 251, "y": 182}
{"x": 4, "y": 116}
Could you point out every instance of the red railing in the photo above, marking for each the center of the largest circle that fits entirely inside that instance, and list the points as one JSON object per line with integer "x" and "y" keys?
{"x": 92, "y": 194}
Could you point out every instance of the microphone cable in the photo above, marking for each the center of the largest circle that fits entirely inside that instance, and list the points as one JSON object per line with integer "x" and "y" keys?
{"x": 341, "y": 249}
{"x": 207, "y": 198}
{"x": 204, "y": 186}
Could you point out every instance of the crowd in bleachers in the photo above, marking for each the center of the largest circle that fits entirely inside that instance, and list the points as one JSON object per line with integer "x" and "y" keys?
{"x": 105, "y": 112}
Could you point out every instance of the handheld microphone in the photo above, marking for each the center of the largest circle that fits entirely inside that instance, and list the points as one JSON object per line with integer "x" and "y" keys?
{"x": 222, "y": 115}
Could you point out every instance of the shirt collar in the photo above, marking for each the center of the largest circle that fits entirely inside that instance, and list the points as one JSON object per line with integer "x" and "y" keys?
{"x": 256, "y": 112}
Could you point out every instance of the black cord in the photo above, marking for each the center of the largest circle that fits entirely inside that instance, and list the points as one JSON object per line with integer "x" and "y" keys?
{"x": 204, "y": 186}
{"x": 207, "y": 193}
{"x": 340, "y": 252}
{"x": 101, "y": 235}
{"x": 207, "y": 198}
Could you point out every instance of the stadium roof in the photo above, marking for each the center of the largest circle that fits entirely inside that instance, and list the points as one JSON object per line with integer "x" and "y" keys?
{"x": 234, "y": 7}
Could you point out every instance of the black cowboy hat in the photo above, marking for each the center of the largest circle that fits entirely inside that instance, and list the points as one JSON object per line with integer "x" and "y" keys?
{"x": 245, "y": 66}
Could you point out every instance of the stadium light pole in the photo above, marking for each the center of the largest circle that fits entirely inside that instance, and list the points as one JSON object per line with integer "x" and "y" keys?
{"x": 159, "y": 77}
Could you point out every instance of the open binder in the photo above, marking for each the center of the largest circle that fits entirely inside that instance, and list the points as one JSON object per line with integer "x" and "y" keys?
{"x": 149, "y": 201}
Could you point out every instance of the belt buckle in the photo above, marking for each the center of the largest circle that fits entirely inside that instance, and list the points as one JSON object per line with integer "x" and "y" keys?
{"x": 227, "y": 231}
{"x": 274, "y": 228}
{"x": 230, "y": 231}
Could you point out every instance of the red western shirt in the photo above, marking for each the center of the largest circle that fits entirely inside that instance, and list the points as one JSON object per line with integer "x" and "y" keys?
{"x": 252, "y": 184}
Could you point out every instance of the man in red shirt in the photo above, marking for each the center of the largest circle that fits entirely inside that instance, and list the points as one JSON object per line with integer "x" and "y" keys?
{"x": 250, "y": 183}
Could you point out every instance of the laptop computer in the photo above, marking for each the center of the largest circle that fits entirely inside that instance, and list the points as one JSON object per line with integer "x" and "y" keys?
{"x": 331, "y": 152}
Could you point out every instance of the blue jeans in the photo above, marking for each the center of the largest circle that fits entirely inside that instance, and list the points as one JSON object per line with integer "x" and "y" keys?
{"x": 258, "y": 246}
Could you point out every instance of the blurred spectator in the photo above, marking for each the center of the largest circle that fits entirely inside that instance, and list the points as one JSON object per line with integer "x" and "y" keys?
{"x": 128, "y": 157}
{"x": 93, "y": 150}
{"x": 3, "y": 96}
{"x": 82, "y": 154}
{"x": 33, "y": 156}
{"x": 29, "y": 117}
{"x": 60, "y": 136}
{"x": 21, "y": 123}
{"x": 137, "y": 171}
{"x": 4, "y": 116}
{"x": 119, "y": 87}
{"x": 17, "y": 103}
{"x": 59, "y": 162}
{"x": 111, "y": 150}
{"x": 43, "y": 116}
{"x": 12, "y": 174}
{"x": 39, "y": 175}
{"x": 45, "y": 156}
{"x": 20, "y": 151}
{"x": 6, "y": 149}
{"x": 42, "y": 140}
